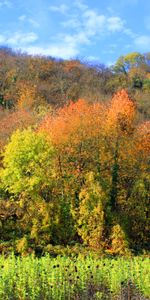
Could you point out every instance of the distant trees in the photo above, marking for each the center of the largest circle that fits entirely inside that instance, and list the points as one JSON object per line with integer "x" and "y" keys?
{"x": 136, "y": 68}
{"x": 126, "y": 63}
{"x": 56, "y": 82}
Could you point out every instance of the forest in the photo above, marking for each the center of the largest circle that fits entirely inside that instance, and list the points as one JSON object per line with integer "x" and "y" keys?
{"x": 74, "y": 155}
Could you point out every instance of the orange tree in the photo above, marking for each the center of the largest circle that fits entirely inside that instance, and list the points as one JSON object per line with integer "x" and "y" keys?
{"x": 76, "y": 132}
{"x": 102, "y": 139}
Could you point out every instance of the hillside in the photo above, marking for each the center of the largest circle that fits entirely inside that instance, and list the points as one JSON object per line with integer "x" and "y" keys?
{"x": 75, "y": 146}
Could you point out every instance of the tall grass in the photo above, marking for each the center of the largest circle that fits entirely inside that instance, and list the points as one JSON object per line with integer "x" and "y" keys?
{"x": 64, "y": 278}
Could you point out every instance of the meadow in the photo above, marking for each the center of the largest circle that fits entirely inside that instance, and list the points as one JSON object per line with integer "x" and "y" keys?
{"x": 70, "y": 278}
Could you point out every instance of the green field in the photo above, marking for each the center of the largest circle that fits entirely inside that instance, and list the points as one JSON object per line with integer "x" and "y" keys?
{"x": 65, "y": 278}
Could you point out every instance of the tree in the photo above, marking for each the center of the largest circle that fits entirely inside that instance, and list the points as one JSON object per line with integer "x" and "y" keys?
{"x": 27, "y": 163}
{"x": 135, "y": 67}
{"x": 90, "y": 216}
{"x": 126, "y": 63}
{"x": 119, "y": 243}
{"x": 20, "y": 119}
{"x": 27, "y": 177}
{"x": 118, "y": 129}
{"x": 75, "y": 131}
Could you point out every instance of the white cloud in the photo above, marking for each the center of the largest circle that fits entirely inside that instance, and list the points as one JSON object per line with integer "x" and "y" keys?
{"x": 93, "y": 58}
{"x": 84, "y": 24}
{"x": 5, "y": 3}
{"x": 110, "y": 63}
{"x": 67, "y": 48}
{"x": 63, "y": 8}
{"x": 115, "y": 24}
{"x": 90, "y": 24}
{"x": 73, "y": 23}
{"x": 142, "y": 41}
{"x": 2, "y": 39}
{"x": 80, "y": 5}
{"x": 33, "y": 22}
{"x": 59, "y": 50}
{"x": 18, "y": 38}
{"x": 22, "y": 18}
{"x": 93, "y": 23}
{"x": 78, "y": 38}
{"x": 129, "y": 32}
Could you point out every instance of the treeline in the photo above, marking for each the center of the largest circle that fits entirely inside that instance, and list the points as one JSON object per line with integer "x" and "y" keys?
{"x": 74, "y": 171}
{"x": 54, "y": 81}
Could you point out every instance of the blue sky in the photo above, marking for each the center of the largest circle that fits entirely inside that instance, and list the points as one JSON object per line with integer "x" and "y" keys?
{"x": 99, "y": 30}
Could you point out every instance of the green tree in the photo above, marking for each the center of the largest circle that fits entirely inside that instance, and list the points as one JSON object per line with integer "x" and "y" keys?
{"x": 125, "y": 63}
{"x": 90, "y": 214}
{"x": 27, "y": 178}
{"x": 27, "y": 163}
{"x": 119, "y": 243}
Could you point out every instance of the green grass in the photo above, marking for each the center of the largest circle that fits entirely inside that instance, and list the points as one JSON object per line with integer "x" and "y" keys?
{"x": 65, "y": 278}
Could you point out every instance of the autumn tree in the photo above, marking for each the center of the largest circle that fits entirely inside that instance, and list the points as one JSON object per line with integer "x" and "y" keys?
{"x": 135, "y": 67}
{"x": 138, "y": 208}
{"x": 20, "y": 119}
{"x": 75, "y": 131}
{"x": 90, "y": 214}
{"x": 130, "y": 150}
{"x": 126, "y": 63}
{"x": 27, "y": 177}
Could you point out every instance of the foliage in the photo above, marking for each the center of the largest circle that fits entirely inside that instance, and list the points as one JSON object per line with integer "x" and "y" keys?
{"x": 90, "y": 216}
{"x": 75, "y": 145}
{"x": 22, "y": 245}
{"x": 27, "y": 163}
{"x": 26, "y": 175}
{"x": 119, "y": 244}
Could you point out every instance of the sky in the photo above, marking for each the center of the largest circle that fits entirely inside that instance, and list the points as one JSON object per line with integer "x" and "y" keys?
{"x": 96, "y": 30}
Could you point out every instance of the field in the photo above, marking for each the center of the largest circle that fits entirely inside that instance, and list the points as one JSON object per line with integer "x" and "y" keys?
{"x": 64, "y": 278}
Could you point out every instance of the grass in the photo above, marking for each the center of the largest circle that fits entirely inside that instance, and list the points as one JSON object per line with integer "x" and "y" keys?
{"x": 64, "y": 278}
